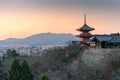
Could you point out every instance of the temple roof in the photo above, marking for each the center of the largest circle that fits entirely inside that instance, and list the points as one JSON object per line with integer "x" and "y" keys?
{"x": 107, "y": 38}
{"x": 115, "y": 39}
{"x": 84, "y": 35}
{"x": 103, "y": 37}
{"x": 85, "y": 27}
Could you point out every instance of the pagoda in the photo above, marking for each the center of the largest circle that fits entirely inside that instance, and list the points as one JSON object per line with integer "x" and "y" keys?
{"x": 85, "y": 34}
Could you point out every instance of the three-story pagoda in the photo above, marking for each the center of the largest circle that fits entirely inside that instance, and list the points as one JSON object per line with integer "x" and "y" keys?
{"x": 85, "y": 34}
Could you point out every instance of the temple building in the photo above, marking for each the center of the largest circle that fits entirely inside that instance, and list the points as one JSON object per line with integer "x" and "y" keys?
{"x": 85, "y": 34}
{"x": 99, "y": 40}
{"x": 107, "y": 41}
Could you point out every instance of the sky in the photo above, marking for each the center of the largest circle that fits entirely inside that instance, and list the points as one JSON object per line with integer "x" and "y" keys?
{"x": 22, "y": 18}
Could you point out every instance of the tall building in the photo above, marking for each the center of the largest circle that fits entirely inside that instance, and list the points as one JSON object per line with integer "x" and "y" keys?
{"x": 85, "y": 34}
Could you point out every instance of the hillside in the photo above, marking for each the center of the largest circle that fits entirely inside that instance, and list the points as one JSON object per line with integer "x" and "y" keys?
{"x": 73, "y": 62}
{"x": 40, "y": 40}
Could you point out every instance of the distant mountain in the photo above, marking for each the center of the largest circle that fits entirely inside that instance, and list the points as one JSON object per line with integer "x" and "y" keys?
{"x": 43, "y": 39}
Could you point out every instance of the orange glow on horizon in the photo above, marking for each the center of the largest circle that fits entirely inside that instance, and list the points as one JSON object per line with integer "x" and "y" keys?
{"x": 20, "y": 24}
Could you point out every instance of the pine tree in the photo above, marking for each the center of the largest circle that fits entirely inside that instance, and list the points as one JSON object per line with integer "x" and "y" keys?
{"x": 12, "y": 53}
{"x": 14, "y": 73}
{"x": 27, "y": 75}
{"x": 45, "y": 77}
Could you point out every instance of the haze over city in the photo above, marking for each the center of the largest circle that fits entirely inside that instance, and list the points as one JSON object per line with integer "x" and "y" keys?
{"x": 22, "y": 18}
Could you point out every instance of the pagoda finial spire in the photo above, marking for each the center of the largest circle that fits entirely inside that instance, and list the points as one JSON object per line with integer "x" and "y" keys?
{"x": 84, "y": 18}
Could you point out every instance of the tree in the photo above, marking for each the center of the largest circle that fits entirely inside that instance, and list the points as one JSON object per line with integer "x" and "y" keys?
{"x": 12, "y": 53}
{"x": 1, "y": 66}
{"x": 14, "y": 73}
{"x": 27, "y": 75}
{"x": 45, "y": 77}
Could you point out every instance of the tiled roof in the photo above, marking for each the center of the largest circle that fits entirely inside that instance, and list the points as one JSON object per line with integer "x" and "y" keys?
{"x": 103, "y": 37}
{"x": 115, "y": 39}
{"x": 84, "y": 35}
{"x": 85, "y": 27}
{"x": 108, "y": 38}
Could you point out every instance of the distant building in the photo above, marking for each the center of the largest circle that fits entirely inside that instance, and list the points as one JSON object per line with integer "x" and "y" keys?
{"x": 85, "y": 34}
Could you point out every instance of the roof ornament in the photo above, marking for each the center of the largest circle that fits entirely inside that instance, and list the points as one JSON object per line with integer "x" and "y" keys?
{"x": 84, "y": 18}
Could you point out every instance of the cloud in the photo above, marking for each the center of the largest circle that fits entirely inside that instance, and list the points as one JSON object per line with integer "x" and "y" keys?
{"x": 63, "y": 4}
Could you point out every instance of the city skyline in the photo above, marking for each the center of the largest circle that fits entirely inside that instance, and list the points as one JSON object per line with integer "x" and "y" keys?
{"x": 22, "y": 18}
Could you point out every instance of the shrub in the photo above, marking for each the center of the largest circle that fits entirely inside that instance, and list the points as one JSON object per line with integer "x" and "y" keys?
{"x": 45, "y": 77}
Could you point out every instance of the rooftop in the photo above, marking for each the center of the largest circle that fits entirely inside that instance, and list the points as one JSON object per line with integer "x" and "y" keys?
{"x": 108, "y": 38}
{"x": 85, "y": 27}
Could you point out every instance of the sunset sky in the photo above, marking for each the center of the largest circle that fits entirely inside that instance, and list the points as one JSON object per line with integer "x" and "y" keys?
{"x": 22, "y": 18}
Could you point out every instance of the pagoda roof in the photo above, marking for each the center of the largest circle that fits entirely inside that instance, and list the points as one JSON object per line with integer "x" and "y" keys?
{"x": 85, "y": 27}
{"x": 84, "y": 35}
